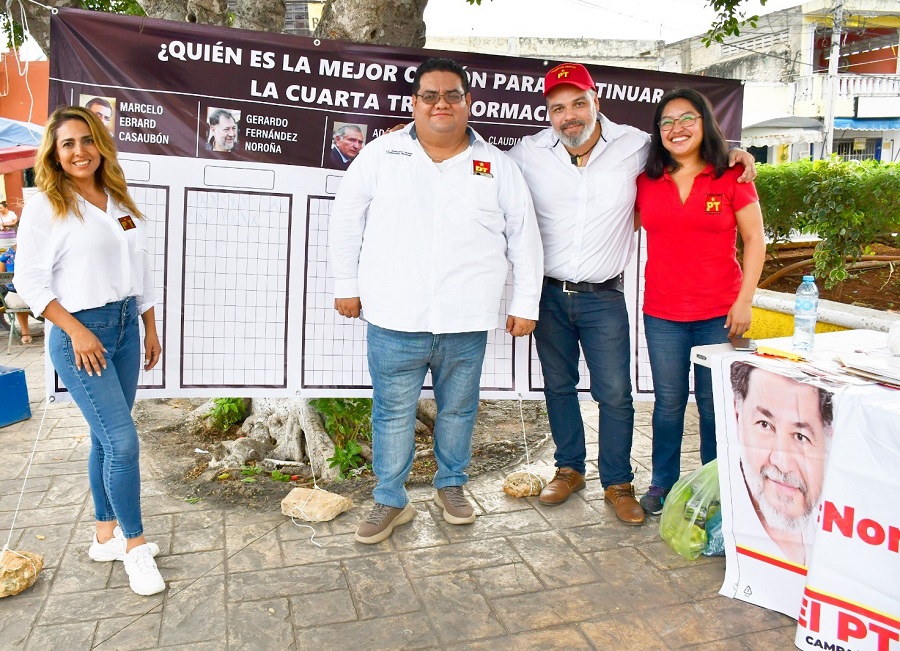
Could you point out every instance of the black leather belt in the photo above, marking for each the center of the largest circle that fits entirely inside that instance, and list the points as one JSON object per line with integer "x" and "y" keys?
{"x": 577, "y": 288}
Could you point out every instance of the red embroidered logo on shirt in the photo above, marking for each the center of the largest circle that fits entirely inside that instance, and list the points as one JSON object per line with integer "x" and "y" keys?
{"x": 127, "y": 223}
{"x": 481, "y": 168}
{"x": 713, "y": 204}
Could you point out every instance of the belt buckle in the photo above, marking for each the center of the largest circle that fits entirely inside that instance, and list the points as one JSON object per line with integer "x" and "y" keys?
{"x": 566, "y": 289}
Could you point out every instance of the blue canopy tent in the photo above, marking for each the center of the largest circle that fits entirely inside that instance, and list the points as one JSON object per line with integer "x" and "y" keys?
{"x": 18, "y": 144}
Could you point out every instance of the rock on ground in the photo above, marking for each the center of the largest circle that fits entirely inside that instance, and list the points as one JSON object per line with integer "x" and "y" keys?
{"x": 18, "y": 571}
{"x": 314, "y": 505}
{"x": 523, "y": 483}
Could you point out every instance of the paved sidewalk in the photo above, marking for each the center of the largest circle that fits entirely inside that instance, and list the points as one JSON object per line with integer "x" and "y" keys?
{"x": 523, "y": 576}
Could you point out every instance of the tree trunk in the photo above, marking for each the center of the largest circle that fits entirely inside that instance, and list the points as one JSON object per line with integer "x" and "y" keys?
{"x": 383, "y": 22}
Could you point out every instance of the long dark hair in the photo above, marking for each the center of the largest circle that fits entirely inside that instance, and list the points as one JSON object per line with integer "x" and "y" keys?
{"x": 713, "y": 149}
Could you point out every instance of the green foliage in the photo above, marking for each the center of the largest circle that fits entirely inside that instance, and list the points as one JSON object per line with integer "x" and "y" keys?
{"x": 15, "y": 37}
{"x": 277, "y": 475}
{"x": 346, "y": 419}
{"x": 346, "y": 457}
{"x": 847, "y": 204}
{"x": 248, "y": 474}
{"x": 729, "y": 20}
{"x": 226, "y": 412}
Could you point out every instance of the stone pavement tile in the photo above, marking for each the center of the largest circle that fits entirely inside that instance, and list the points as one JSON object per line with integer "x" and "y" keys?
{"x": 552, "y": 559}
{"x": 423, "y": 531}
{"x": 261, "y": 554}
{"x": 191, "y": 517}
{"x": 626, "y": 631}
{"x": 776, "y": 638}
{"x": 17, "y": 617}
{"x": 410, "y": 631}
{"x": 493, "y": 502}
{"x": 316, "y": 609}
{"x": 379, "y": 587}
{"x": 609, "y": 533}
{"x": 164, "y": 504}
{"x": 333, "y": 548}
{"x": 179, "y": 567}
{"x": 507, "y": 580}
{"x": 260, "y": 625}
{"x": 495, "y": 526}
{"x": 701, "y": 581}
{"x": 238, "y": 536}
{"x": 14, "y": 486}
{"x": 714, "y": 619}
{"x": 301, "y": 530}
{"x": 574, "y": 512}
{"x": 71, "y": 637}
{"x": 128, "y": 632}
{"x": 285, "y": 582}
{"x": 236, "y": 516}
{"x": 76, "y": 572}
{"x": 563, "y": 637}
{"x": 552, "y": 607}
{"x": 198, "y": 540}
{"x": 9, "y": 503}
{"x": 641, "y": 446}
{"x": 55, "y": 468}
{"x": 13, "y": 467}
{"x": 456, "y": 609}
{"x": 665, "y": 558}
{"x": 52, "y": 547}
{"x": 215, "y": 644}
{"x": 630, "y": 581}
{"x": 194, "y": 611}
{"x": 68, "y": 489}
{"x": 119, "y": 602}
{"x": 470, "y": 555}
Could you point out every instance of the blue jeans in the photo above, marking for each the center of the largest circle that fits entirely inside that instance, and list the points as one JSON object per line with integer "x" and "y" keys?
{"x": 599, "y": 320}
{"x": 106, "y": 401}
{"x": 398, "y": 362}
{"x": 669, "y": 344}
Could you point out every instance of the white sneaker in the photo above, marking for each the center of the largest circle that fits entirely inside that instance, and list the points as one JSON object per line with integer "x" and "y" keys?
{"x": 143, "y": 575}
{"x": 114, "y": 548}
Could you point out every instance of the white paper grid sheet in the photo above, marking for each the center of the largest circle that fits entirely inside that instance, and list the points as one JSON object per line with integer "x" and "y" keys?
{"x": 153, "y": 202}
{"x": 234, "y": 304}
{"x": 334, "y": 348}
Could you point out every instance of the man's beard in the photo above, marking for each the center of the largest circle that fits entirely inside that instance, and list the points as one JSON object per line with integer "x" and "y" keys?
{"x": 575, "y": 142}
{"x": 775, "y": 517}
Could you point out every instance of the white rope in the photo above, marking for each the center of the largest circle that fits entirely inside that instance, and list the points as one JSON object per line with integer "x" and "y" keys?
{"x": 528, "y": 470}
{"x": 299, "y": 508}
{"x": 12, "y": 525}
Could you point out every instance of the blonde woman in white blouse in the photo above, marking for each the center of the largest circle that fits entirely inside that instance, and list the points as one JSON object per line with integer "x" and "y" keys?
{"x": 83, "y": 263}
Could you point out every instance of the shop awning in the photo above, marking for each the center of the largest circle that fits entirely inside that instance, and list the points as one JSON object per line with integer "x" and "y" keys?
{"x": 16, "y": 158}
{"x": 867, "y": 124}
{"x": 781, "y": 130}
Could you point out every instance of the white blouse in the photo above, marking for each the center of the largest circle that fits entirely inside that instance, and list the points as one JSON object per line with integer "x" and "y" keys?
{"x": 82, "y": 263}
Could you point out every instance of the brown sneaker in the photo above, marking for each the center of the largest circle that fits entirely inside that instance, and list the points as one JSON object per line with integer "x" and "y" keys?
{"x": 457, "y": 509}
{"x": 621, "y": 497}
{"x": 381, "y": 522}
{"x": 564, "y": 483}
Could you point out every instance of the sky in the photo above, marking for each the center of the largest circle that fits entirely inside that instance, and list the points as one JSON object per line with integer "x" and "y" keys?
{"x": 667, "y": 20}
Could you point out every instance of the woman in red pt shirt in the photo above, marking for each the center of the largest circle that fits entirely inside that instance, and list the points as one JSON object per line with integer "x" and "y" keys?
{"x": 692, "y": 208}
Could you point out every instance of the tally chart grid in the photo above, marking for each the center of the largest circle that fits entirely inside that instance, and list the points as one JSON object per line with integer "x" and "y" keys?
{"x": 334, "y": 348}
{"x": 153, "y": 203}
{"x": 234, "y": 304}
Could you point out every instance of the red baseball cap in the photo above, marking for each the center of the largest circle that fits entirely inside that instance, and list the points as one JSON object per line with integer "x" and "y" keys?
{"x": 568, "y": 73}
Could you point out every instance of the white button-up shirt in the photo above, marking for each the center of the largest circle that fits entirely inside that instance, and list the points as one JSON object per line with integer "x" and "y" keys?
{"x": 82, "y": 263}
{"x": 427, "y": 247}
{"x": 585, "y": 213}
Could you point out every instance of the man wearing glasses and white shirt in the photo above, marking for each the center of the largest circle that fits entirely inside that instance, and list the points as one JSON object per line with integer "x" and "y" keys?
{"x": 581, "y": 172}
{"x": 425, "y": 225}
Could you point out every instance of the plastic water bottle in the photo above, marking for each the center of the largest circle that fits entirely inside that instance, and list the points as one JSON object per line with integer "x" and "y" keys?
{"x": 805, "y": 309}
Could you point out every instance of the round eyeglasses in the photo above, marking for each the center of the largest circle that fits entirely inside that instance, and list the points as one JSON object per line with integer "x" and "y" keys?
{"x": 686, "y": 120}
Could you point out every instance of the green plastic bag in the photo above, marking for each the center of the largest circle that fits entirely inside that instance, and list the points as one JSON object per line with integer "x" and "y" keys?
{"x": 691, "y": 502}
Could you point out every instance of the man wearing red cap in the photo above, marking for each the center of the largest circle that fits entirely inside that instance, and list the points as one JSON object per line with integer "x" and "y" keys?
{"x": 581, "y": 172}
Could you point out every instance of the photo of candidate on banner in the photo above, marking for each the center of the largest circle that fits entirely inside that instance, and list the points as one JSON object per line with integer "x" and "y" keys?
{"x": 779, "y": 431}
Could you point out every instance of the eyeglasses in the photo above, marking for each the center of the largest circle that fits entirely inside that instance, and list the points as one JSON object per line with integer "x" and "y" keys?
{"x": 686, "y": 120}
{"x": 451, "y": 97}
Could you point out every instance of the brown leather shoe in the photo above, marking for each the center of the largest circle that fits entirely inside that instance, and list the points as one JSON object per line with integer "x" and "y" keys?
{"x": 564, "y": 483}
{"x": 621, "y": 497}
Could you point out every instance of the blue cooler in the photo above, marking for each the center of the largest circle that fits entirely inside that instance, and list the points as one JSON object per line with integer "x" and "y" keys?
{"x": 13, "y": 396}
